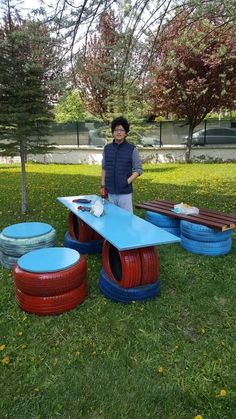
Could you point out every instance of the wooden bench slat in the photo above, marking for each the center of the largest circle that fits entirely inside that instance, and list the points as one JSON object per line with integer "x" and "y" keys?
{"x": 211, "y": 222}
{"x": 205, "y": 210}
{"x": 228, "y": 219}
{"x": 212, "y": 219}
{"x": 199, "y": 219}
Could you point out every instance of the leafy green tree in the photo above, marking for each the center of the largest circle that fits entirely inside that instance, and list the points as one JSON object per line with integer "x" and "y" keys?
{"x": 29, "y": 73}
{"x": 70, "y": 108}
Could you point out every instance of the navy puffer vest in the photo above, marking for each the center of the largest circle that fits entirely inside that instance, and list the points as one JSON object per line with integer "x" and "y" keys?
{"x": 118, "y": 166}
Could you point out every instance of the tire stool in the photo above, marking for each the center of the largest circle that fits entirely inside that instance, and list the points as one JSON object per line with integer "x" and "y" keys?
{"x": 21, "y": 238}
{"x": 50, "y": 281}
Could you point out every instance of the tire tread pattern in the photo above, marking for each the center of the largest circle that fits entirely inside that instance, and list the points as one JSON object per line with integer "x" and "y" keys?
{"x": 139, "y": 266}
{"x": 206, "y": 248}
{"x": 57, "y": 304}
{"x": 50, "y": 283}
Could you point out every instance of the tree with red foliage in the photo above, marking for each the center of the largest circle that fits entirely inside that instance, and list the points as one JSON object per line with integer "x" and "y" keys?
{"x": 195, "y": 70}
{"x": 96, "y": 66}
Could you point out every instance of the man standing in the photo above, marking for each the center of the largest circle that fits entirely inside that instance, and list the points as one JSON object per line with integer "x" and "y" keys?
{"x": 121, "y": 165}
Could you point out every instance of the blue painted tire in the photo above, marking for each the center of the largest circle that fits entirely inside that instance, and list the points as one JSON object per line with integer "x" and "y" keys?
{"x": 203, "y": 233}
{"x": 172, "y": 230}
{"x": 85, "y": 248}
{"x": 114, "y": 292}
{"x": 161, "y": 220}
{"x": 172, "y": 225}
{"x": 206, "y": 248}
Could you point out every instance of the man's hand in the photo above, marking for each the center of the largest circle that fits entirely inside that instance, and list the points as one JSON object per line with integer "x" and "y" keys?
{"x": 104, "y": 192}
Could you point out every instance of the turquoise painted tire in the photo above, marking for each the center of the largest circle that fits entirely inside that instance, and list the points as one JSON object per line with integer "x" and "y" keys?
{"x": 203, "y": 233}
{"x": 18, "y": 247}
{"x": 114, "y": 292}
{"x": 8, "y": 261}
{"x": 84, "y": 248}
{"x": 206, "y": 248}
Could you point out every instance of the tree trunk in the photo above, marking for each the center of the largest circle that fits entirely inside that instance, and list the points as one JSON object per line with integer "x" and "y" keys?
{"x": 189, "y": 143}
{"x": 23, "y": 179}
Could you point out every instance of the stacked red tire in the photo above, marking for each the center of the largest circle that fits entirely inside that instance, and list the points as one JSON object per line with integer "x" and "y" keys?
{"x": 82, "y": 237}
{"x": 135, "y": 269}
{"x": 81, "y": 231}
{"x": 131, "y": 268}
{"x": 53, "y": 292}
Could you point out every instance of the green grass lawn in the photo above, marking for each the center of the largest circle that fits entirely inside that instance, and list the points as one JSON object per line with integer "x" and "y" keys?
{"x": 170, "y": 358}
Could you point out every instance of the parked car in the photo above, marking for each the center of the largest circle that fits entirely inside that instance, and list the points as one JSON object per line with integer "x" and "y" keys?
{"x": 97, "y": 138}
{"x": 213, "y": 135}
{"x": 148, "y": 141}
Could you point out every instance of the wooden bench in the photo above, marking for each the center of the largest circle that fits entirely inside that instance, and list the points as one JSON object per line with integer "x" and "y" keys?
{"x": 122, "y": 229}
{"x": 213, "y": 219}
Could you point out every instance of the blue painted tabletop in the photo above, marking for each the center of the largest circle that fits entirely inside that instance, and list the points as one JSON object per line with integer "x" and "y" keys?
{"x": 49, "y": 259}
{"x": 121, "y": 228}
{"x": 26, "y": 230}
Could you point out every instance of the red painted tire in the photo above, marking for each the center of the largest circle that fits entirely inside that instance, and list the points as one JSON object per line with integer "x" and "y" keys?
{"x": 123, "y": 267}
{"x": 149, "y": 265}
{"x": 81, "y": 231}
{"x": 50, "y": 283}
{"x": 105, "y": 259}
{"x": 44, "y": 306}
{"x": 72, "y": 224}
{"x": 97, "y": 236}
{"x": 86, "y": 233}
{"x": 78, "y": 229}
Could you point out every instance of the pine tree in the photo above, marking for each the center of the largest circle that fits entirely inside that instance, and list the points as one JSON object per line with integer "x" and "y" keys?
{"x": 27, "y": 59}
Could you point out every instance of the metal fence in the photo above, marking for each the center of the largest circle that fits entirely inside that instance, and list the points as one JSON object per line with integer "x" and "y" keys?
{"x": 94, "y": 133}
{"x": 77, "y": 134}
